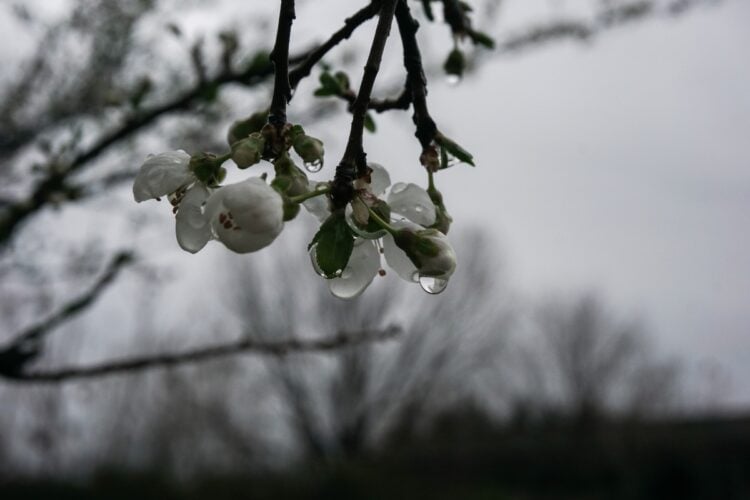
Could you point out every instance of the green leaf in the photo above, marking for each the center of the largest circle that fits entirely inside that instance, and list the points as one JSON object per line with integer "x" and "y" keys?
{"x": 323, "y": 92}
{"x": 330, "y": 83}
{"x": 370, "y": 123}
{"x": 455, "y": 150}
{"x": 333, "y": 244}
{"x": 481, "y": 38}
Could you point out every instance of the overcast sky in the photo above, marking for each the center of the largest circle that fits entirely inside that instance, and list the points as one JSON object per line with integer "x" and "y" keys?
{"x": 621, "y": 167}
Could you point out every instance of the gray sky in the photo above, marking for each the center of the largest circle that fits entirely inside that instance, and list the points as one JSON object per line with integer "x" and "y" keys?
{"x": 623, "y": 167}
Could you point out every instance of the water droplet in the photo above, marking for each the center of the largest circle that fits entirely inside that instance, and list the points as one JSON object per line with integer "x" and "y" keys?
{"x": 398, "y": 187}
{"x": 419, "y": 209}
{"x": 313, "y": 166}
{"x": 314, "y": 261}
{"x": 432, "y": 285}
{"x": 453, "y": 80}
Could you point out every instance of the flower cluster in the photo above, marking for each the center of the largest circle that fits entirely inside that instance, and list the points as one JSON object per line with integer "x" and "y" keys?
{"x": 402, "y": 228}
{"x": 406, "y": 224}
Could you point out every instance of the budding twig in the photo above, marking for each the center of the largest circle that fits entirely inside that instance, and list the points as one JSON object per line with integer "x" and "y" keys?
{"x": 416, "y": 80}
{"x": 354, "y": 161}
{"x": 282, "y": 90}
{"x": 350, "y": 25}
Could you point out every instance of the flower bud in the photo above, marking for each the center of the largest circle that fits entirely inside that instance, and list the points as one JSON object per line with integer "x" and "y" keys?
{"x": 429, "y": 250}
{"x": 249, "y": 151}
{"x": 309, "y": 149}
{"x": 205, "y": 168}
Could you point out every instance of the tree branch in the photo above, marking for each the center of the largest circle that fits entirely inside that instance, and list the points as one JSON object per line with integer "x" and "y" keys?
{"x": 282, "y": 91}
{"x": 244, "y": 346}
{"x": 354, "y": 161}
{"x": 27, "y": 345}
{"x": 416, "y": 80}
{"x": 350, "y": 25}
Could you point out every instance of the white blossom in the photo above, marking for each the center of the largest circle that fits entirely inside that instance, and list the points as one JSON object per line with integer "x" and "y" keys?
{"x": 246, "y": 216}
{"x": 359, "y": 272}
{"x": 192, "y": 226}
{"x": 163, "y": 174}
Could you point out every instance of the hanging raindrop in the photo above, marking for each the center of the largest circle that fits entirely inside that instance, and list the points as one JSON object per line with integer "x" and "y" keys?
{"x": 313, "y": 166}
{"x": 432, "y": 285}
{"x": 453, "y": 80}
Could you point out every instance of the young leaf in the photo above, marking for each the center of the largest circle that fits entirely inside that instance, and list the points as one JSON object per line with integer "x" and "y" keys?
{"x": 334, "y": 243}
{"x": 370, "y": 123}
{"x": 455, "y": 150}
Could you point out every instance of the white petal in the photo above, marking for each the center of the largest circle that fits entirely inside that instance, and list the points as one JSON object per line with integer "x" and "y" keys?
{"x": 379, "y": 179}
{"x": 246, "y": 216}
{"x": 397, "y": 258}
{"x": 412, "y": 202}
{"x": 162, "y": 174}
{"x": 192, "y": 226}
{"x": 362, "y": 267}
{"x": 318, "y": 205}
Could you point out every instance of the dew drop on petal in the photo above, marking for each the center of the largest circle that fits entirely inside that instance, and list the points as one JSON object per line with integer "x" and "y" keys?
{"x": 433, "y": 285}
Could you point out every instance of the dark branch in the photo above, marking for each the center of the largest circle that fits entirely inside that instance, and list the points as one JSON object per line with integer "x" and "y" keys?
{"x": 282, "y": 91}
{"x": 244, "y": 346}
{"x": 354, "y": 161}
{"x": 27, "y": 345}
{"x": 416, "y": 80}
{"x": 402, "y": 101}
{"x": 350, "y": 25}
{"x": 56, "y": 181}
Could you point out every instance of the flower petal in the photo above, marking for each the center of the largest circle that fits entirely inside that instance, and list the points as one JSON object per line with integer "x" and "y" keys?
{"x": 397, "y": 258}
{"x": 379, "y": 179}
{"x": 317, "y": 205}
{"x": 162, "y": 174}
{"x": 359, "y": 272}
{"x": 412, "y": 202}
{"x": 192, "y": 226}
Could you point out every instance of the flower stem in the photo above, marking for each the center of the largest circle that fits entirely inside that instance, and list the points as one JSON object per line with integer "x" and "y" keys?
{"x": 312, "y": 194}
{"x": 354, "y": 161}
{"x": 381, "y": 222}
{"x": 222, "y": 158}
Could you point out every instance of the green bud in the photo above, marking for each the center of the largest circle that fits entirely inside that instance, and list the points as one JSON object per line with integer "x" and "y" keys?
{"x": 247, "y": 152}
{"x": 290, "y": 210}
{"x": 204, "y": 166}
{"x": 290, "y": 179}
{"x": 309, "y": 149}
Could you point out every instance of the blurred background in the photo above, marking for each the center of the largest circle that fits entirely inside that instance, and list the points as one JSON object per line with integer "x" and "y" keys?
{"x": 593, "y": 343}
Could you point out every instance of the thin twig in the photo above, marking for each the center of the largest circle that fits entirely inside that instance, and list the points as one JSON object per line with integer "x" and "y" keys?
{"x": 26, "y": 345}
{"x": 244, "y": 346}
{"x": 282, "y": 90}
{"x": 353, "y": 161}
{"x": 350, "y": 25}
{"x": 416, "y": 80}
